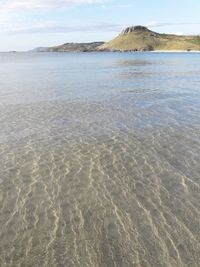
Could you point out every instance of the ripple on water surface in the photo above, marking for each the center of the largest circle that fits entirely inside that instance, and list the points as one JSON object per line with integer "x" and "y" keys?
{"x": 106, "y": 181}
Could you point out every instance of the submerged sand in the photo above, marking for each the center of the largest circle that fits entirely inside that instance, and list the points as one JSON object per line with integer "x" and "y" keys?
{"x": 104, "y": 198}
{"x": 99, "y": 160}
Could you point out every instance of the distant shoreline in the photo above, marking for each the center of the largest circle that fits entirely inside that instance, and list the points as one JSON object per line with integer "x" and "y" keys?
{"x": 101, "y": 51}
{"x": 116, "y": 51}
{"x": 175, "y": 51}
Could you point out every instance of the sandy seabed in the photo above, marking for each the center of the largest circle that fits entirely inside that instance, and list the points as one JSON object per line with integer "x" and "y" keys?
{"x": 101, "y": 198}
{"x": 99, "y": 160}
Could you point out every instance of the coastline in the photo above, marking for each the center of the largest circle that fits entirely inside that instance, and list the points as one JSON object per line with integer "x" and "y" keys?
{"x": 106, "y": 51}
{"x": 175, "y": 51}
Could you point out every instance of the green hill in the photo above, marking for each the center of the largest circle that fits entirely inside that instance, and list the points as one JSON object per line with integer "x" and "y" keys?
{"x": 137, "y": 38}
{"x": 74, "y": 47}
{"x": 140, "y": 38}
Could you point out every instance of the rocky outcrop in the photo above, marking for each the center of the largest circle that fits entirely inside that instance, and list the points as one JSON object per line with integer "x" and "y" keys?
{"x": 135, "y": 29}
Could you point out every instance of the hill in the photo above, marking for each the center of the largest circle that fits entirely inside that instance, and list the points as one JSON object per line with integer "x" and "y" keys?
{"x": 137, "y": 38}
{"x": 140, "y": 38}
{"x": 70, "y": 47}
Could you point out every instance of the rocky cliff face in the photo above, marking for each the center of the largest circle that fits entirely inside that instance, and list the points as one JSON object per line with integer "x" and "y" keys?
{"x": 135, "y": 29}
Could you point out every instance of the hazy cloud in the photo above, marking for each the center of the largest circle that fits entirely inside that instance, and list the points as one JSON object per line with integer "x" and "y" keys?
{"x": 15, "y": 19}
{"x": 54, "y": 27}
{"x": 11, "y": 5}
{"x": 51, "y": 27}
{"x": 158, "y": 24}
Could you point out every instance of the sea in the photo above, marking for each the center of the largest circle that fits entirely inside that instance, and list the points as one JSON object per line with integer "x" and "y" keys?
{"x": 100, "y": 159}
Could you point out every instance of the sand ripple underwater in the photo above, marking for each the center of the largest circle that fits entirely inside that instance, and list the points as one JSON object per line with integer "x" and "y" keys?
{"x": 107, "y": 174}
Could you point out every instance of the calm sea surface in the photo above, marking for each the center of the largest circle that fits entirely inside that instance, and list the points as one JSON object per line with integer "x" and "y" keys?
{"x": 99, "y": 159}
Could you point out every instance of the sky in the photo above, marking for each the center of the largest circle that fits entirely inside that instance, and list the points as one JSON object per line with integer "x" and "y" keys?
{"x": 26, "y": 24}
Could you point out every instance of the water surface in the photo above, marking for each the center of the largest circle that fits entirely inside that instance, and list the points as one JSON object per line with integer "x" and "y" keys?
{"x": 100, "y": 159}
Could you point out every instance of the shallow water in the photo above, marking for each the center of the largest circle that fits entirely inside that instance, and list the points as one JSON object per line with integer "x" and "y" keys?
{"x": 99, "y": 159}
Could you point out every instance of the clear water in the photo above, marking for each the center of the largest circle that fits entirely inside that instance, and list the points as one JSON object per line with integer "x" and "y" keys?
{"x": 99, "y": 159}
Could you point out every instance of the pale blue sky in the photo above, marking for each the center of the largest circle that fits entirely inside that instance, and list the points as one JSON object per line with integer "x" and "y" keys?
{"x": 26, "y": 24}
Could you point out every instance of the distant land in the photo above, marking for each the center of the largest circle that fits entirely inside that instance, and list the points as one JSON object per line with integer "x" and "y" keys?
{"x": 136, "y": 38}
{"x": 70, "y": 47}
